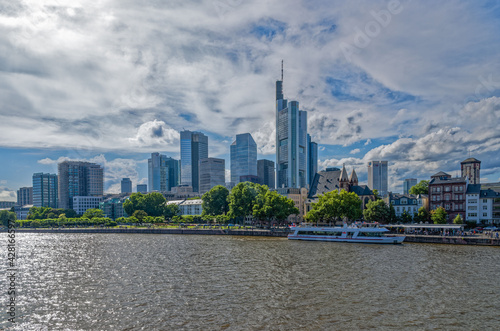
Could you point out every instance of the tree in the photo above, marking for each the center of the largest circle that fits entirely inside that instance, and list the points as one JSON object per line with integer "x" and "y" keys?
{"x": 171, "y": 210}
{"x": 242, "y": 198}
{"x": 133, "y": 203}
{"x": 154, "y": 204}
{"x": 6, "y": 217}
{"x": 271, "y": 206}
{"x": 333, "y": 205}
{"x": 439, "y": 215}
{"x": 140, "y": 215}
{"x": 392, "y": 215}
{"x": 93, "y": 213}
{"x": 215, "y": 202}
{"x": 375, "y": 194}
{"x": 377, "y": 211}
{"x": 421, "y": 188}
{"x": 423, "y": 214}
{"x": 406, "y": 218}
{"x": 350, "y": 205}
{"x": 458, "y": 219}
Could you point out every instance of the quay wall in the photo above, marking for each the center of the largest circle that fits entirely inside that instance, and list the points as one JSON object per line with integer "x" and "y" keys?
{"x": 481, "y": 241}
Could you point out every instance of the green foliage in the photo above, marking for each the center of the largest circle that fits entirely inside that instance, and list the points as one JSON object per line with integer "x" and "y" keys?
{"x": 6, "y": 216}
{"x": 392, "y": 215}
{"x": 140, "y": 215}
{"x": 458, "y": 220}
{"x": 242, "y": 198}
{"x": 40, "y": 213}
{"x": 406, "y": 218}
{"x": 271, "y": 206}
{"x": 377, "y": 211}
{"x": 439, "y": 215}
{"x": 215, "y": 202}
{"x": 333, "y": 205}
{"x": 93, "y": 213}
{"x": 423, "y": 215}
{"x": 171, "y": 210}
{"x": 421, "y": 188}
{"x": 151, "y": 203}
{"x": 375, "y": 193}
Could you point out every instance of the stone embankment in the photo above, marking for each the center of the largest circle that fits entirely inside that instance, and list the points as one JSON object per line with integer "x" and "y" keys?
{"x": 472, "y": 240}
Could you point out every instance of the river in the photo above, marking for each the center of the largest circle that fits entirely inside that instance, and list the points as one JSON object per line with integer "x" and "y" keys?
{"x": 188, "y": 282}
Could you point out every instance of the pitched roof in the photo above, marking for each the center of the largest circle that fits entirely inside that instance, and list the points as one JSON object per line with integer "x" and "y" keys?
{"x": 324, "y": 181}
{"x": 448, "y": 180}
{"x": 343, "y": 174}
{"x": 361, "y": 190}
{"x": 470, "y": 160}
{"x": 440, "y": 174}
{"x": 473, "y": 189}
{"x": 353, "y": 177}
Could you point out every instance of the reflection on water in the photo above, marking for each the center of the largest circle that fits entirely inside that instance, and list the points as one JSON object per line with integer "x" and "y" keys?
{"x": 165, "y": 282}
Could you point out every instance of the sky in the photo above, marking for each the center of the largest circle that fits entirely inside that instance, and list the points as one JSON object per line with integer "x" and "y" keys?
{"x": 415, "y": 83}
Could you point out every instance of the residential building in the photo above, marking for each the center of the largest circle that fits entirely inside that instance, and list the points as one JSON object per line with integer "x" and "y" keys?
{"x": 81, "y": 204}
{"x": 188, "y": 207}
{"x": 194, "y": 147}
{"x": 408, "y": 184}
{"x": 126, "y": 185}
{"x": 79, "y": 179}
{"x": 265, "y": 173}
{"x": 22, "y": 211}
{"x": 449, "y": 193}
{"x": 312, "y": 160}
{"x": 243, "y": 154}
{"x": 404, "y": 203}
{"x": 163, "y": 173}
{"x": 291, "y": 142}
{"x": 142, "y": 188}
{"x": 483, "y": 206}
{"x": 25, "y": 196}
{"x": 7, "y": 204}
{"x": 45, "y": 190}
{"x": 471, "y": 169}
{"x": 377, "y": 176}
{"x": 113, "y": 207}
{"x": 212, "y": 173}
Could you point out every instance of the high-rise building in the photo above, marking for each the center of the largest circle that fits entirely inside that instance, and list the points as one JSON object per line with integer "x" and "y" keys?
{"x": 126, "y": 185}
{"x": 291, "y": 141}
{"x": 163, "y": 173}
{"x": 142, "y": 188}
{"x": 408, "y": 184}
{"x": 212, "y": 173}
{"x": 266, "y": 174}
{"x": 377, "y": 176}
{"x": 470, "y": 169}
{"x": 45, "y": 190}
{"x": 25, "y": 196}
{"x": 243, "y": 157}
{"x": 194, "y": 147}
{"x": 312, "y": 160}
{"x": 80, "y": 179}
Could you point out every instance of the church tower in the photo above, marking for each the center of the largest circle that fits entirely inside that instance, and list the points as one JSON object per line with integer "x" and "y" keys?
{"x": 343, "y": 179}
{"x": 353, "y": 180}
{"x": 470, "y": 169}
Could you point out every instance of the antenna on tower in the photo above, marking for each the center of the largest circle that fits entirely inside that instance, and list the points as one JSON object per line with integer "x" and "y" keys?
{"x": 281, "y": 70}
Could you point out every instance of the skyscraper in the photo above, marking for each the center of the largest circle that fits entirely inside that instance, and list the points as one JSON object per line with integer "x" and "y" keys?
{"x": 243, "y": 157}
{"x": 194, "y": 147}
{"x": 78, "y": 178}
{"x": 471, "y": 169}
{"x": 291, "y": 141}
{"x": 45, "y": 190}
{"x": 212, "y": 173}
{"x": 312, "y": 160}
{"x": 25, "y": 196}
{"x": 126, "y": 185}
{"x": 266, "y": 174}
{"x": 142, "y": 188}
{"x": 163, "y": 173}
{"x": 408, "y": 184}
{"x": 377, "y": 176}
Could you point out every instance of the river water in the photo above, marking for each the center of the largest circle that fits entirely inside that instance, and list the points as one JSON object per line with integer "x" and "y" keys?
{"x": 187, "y": 282}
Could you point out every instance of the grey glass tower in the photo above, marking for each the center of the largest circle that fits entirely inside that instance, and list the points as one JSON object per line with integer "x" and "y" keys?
{"x": 291, "y": 142}
{"x": 266, "y": 174}
{"x": 126, "y": 185}
{"x": 79, "y": 179}
{"x": 377, "y": 176}
{"x": 45, "y": 188}
{"x": 212, "y": 173}
{"x": 243, "y": 157}
{"x": 163, "y": 173}
{"x": 312, "y": 160}
{"x": 194, "y": 147}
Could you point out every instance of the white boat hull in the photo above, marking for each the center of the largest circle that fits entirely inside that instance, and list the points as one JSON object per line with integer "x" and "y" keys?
{"x": 383, "y": 240}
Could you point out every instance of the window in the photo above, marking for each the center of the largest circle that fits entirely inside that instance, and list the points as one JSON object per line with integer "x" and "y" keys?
{"x": 471, "y": 201}
{"x": 485, "y": 207}
{"x": 472, "y": 207}
{"x": 461, "y": 188}
{"x": 485, "y": 200}
{"x": 447, "y": 206}
{"x": 485, "y": 214}
{"x": 393, "y": 202}
{"x": 438, "y": 189}
{"x": 447, "y": 189}
{"x": 447, "y": 197}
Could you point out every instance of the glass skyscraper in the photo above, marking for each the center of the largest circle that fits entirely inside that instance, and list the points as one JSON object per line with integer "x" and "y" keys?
{"x": 243, "y": 157}
{"x": 312, "y": 160}
{"x": 377, "y": 176}
{"x": 266, "y": 174}
{"x": 45, "y": 188}
{"x": 212, "y": 173}
{"x": 76, "y": 178}
{"x": 126, "y": 185}
{"x": 163, "y": 173}
{"x": 194, "y": 147}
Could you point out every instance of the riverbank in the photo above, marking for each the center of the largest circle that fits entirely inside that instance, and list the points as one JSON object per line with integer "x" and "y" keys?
{"x": 422, "y": 239}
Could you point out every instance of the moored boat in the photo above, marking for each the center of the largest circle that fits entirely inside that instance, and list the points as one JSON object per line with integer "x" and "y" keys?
{"x": 354, "y": 234}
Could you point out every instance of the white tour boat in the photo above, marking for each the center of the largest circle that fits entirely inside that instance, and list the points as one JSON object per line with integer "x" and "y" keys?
{"x": 353, "y": 234}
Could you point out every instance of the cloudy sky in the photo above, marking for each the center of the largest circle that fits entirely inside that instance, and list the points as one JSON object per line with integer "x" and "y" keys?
{"x": 416, "y": 83}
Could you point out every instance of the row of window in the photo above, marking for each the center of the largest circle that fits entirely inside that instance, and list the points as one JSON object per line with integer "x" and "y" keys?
{"x": 475, "y": 214}
{"x": 447, "y": 189}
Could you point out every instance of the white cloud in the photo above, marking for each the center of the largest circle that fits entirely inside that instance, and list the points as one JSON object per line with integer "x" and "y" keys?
{"x": 7, "y": 194}
{"x": 355, "y": 151}
{"x": 156, "y": 134}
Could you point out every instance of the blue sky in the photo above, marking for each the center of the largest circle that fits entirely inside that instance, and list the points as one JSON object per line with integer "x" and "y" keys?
{"x": 416, "y": 83}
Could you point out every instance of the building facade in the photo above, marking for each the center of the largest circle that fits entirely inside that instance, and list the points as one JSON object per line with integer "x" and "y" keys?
{"x": 471, "y": 169}
{"x": 408, "y": 184}
{"x": 212, "y": 173}
{"x": 45, "y": 190}
{"x": 126, "y": 185}
{"x": 113, "y": 208}
{"x": 81, "y": 204}
{"x": 25, "y": 196}
{"x": 404, "y": 203}
{"x": 377, "y": 176}
{"x": 266, "y": 174}
{"x": 291, "y": 142}
{"x": 7, "y": 204}
{"x": 312, "y": 160}
{"x": 142, "y": 188}
{"x": 483, "y": 206}
{"x": 79, "y": 179}
{"x": 449, "y": 193}
{"x": 243, "y": 155}
{"x": 188, "y": 207}
{"x": 194, "y": 147}
{"x": 299, "y": 198}
{"x": 163, "y": 173}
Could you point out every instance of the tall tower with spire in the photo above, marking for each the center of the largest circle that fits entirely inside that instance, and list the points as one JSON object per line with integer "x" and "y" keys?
{"x": 291, "y": 141}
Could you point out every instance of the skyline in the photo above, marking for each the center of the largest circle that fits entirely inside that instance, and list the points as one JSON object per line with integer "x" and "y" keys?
{"x": 416, "y": 85}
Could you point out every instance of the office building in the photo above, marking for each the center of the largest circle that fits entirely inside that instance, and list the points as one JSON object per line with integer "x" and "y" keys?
{"x": 291, "y": 141}
{"x": 126, "y": 185}
{"x": 194, "y": 147}
{"x": 45, "y": 190}
{"x": 81, "y": 204}
{"x": 243, "y": 158}
{"x": 312, "y": 160}
{"x": 470, "y": 169}
{"x": 25, "y": 196}
{"x": 7, "y": 204}
{"x": 408, "y": 184}
{"x": 79, "y": 179}
{"x": 212, "y": 173}
{"x": 163, "y": 173}
{"x": 265, "y": 173}
{"x": 377, "y": 176}
{"x": 142, "y": 188}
